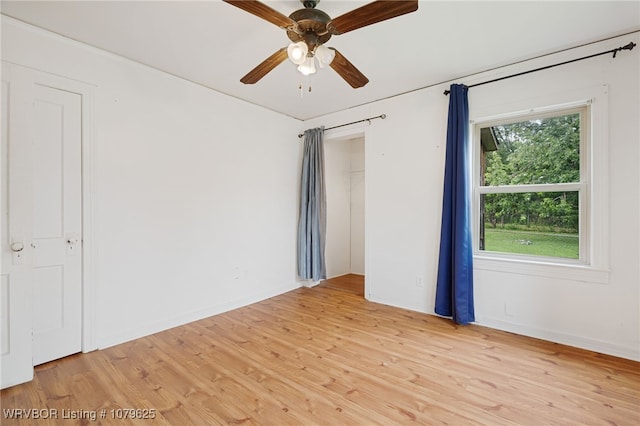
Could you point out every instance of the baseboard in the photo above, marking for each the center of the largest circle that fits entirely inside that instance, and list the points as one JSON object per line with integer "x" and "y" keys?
{"x": 344, "y": 275}
{"x": 600, "y": 346}
{"x": 144, "y": 330}
{"x": 604, "y": 347}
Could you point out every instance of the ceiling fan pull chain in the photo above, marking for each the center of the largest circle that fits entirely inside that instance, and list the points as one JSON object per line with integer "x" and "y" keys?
{"x": 301, "y": 87}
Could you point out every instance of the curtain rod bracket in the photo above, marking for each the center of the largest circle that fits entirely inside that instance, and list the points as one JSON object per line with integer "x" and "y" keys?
{"x": 629, "y": 46}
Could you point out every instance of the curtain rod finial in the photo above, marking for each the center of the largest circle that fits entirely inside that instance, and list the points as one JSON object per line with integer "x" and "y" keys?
{"x": 628, "y": 46}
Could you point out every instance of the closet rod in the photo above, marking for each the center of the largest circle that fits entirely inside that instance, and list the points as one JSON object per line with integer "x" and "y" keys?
{"x": 383, "y": 116}
{"x": 629, "y": 46}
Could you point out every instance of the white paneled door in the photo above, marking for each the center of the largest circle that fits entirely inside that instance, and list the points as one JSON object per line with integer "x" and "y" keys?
{"x": 41, "y": 226}
{"x": 57, "y": 225}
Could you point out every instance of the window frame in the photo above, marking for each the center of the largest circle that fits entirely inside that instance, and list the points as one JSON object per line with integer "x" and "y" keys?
{"x": 592, "y": 265}
{"x": 581, "y": 186}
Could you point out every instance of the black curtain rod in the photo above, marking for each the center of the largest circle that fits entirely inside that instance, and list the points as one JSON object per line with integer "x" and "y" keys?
{"x": 383, "y": 116}
{"x": 629, "y": 46}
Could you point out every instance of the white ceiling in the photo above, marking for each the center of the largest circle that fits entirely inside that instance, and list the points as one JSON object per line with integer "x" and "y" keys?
{"x": 214, "y": 44}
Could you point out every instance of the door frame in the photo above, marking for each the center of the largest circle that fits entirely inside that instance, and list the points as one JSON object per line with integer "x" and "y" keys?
{"x": 344, "y": 135}
{"x": 88, "y": 238}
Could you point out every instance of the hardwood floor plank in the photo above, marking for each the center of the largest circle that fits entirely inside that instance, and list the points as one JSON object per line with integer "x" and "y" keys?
{"x": 350, "y": 282}
{"x": 326, "y": 356}
{"x": 285, "y": 368}
{"x": 375, "y": 359}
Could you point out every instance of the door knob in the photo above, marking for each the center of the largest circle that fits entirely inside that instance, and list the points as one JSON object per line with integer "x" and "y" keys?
{"x": 17, "y": 247}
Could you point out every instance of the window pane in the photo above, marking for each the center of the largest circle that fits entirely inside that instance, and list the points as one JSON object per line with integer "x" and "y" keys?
{"x": 538, "y": 151}
{"x": 534, "y": 223}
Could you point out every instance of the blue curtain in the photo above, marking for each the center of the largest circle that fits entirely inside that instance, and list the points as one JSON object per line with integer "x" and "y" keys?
{"x": 454, "y": 290}
{"x": 313, "y": 209}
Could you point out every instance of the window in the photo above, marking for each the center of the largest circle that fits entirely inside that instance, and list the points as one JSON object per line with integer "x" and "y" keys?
{"x": 532, "y": 187}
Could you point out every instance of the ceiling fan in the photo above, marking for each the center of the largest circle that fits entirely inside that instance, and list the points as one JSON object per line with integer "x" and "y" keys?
{"x": 309, "y": 29}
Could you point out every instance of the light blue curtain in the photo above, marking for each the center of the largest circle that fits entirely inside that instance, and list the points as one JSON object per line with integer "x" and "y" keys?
{"x": 312, "y": 227}
{"x": 454, "y": 290}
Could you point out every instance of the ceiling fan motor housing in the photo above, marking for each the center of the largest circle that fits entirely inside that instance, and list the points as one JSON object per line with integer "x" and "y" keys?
{"x": 312, "y": 25}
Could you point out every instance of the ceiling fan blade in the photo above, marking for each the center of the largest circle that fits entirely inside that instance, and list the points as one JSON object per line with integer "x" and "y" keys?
{"x": 265, "y": 12}
{"x": 371, "y": 13}
{"x": 267, "y": 65}
{"x": 347, "y": 71}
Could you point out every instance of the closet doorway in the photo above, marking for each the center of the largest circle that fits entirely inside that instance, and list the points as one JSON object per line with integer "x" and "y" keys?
{"x": 345, "y": 186}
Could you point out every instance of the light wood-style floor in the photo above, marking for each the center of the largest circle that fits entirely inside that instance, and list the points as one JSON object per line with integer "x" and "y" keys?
{"x": 323, "y": 356}
{"x": 352, "y": 283}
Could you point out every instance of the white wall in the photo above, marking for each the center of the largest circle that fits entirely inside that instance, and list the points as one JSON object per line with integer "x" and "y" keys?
{"x": 405, "y": 162}
{"x": 338, "y": 181}
{"x": 195, "y": 211}
{"x": 344, "y": 179}
{"x": 357, "y": 173}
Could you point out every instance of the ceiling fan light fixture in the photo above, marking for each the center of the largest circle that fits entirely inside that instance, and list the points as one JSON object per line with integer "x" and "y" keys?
{"x": 308, "y": 67}
{"x": 297, "y": 52}
{"x": 325, "y": 55}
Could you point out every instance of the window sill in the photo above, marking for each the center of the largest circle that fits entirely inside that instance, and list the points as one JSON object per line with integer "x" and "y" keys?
{"x": 562, "y": 271}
